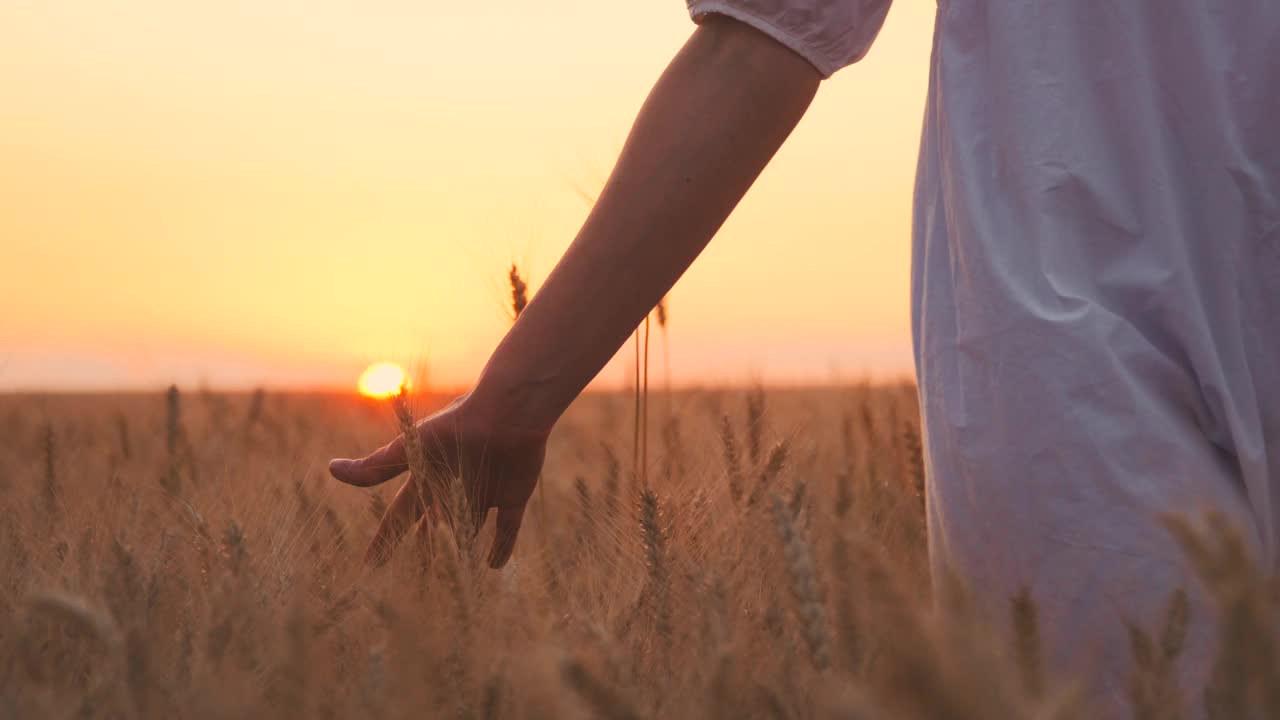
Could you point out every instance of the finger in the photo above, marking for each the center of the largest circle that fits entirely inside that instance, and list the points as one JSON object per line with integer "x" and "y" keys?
{"x": 396, "y": 521}
{"x": 422, "y": 535}
{"x": 379, "y": 467}
{"x": 504, "y": 538}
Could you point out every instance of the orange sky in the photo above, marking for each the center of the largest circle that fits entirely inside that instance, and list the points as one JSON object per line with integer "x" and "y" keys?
{"x": 242, "y": 193}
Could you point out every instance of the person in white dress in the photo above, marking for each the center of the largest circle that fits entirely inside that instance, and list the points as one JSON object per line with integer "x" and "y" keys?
{"x": 1096, "y": 279}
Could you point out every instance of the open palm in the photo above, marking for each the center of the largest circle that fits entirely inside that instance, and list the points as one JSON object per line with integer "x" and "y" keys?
{"x": 498, "y": 467}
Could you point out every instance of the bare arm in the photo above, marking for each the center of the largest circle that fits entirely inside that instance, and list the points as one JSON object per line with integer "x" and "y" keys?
{"x": 713, "y": 121}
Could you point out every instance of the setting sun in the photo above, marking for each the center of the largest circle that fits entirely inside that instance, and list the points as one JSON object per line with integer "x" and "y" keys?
{"x": 382, "y": 380}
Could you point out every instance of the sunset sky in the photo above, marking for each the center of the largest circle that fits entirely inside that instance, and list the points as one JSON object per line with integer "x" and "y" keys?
{"x": 281, "y": 193}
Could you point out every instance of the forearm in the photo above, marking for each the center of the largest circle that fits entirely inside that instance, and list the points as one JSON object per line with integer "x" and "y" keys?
{"x": 714, "y": 119}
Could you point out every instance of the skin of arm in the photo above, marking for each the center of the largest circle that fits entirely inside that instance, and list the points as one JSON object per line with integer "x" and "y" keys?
{"x": 713, "y": 120}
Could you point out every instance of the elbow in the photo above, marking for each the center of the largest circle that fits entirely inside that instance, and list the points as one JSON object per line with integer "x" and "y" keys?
{"x": 749, "y": 53}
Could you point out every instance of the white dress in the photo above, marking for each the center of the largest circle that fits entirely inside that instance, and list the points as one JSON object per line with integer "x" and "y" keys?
{"x": 1096, "y": 279}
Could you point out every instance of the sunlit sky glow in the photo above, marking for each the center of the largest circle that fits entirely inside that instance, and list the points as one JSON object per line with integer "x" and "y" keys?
{"x": 281, "y": 193}
{"x": 382, "y": 380}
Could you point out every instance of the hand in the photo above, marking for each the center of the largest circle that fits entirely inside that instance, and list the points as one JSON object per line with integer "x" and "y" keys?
{"x": 498, "y": 465}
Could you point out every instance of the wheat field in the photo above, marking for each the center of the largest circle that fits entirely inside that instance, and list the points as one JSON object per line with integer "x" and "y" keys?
{"x": 185, "y": 555}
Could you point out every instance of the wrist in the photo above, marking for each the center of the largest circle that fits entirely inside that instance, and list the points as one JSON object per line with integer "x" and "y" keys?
{"x": 514, "y": 407}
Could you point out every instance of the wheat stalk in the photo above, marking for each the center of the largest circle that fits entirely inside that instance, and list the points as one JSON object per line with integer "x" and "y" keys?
{"x": 419, "y": 474}
{"x": 50, "y": 493}
{"x": 755, "y": 424}
{"x": 635, "y": 435}
{"x": 773, "y": 465}
{"x": 644, "y": 411}
{"x": 804, "y": 584}
{"x": 1153, "y": 681}
{"x": 655, "y": 545}
{"x": 732, "y": 461}
{"x": 663, "y": 317}
{"x": 172, "y": 480}
{"x": 519, "y": 292}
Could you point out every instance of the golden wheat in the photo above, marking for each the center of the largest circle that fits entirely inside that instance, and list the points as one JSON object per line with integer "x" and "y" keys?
{"x": 775, "y": 568}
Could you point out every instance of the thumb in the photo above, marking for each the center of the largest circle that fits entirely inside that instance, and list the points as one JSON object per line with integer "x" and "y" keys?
{"x": 504, "y": 537}
{"x": 377, "y": 467}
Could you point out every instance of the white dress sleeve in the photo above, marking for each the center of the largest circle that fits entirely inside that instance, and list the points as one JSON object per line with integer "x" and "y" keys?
{"x": 830, "y": 34}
